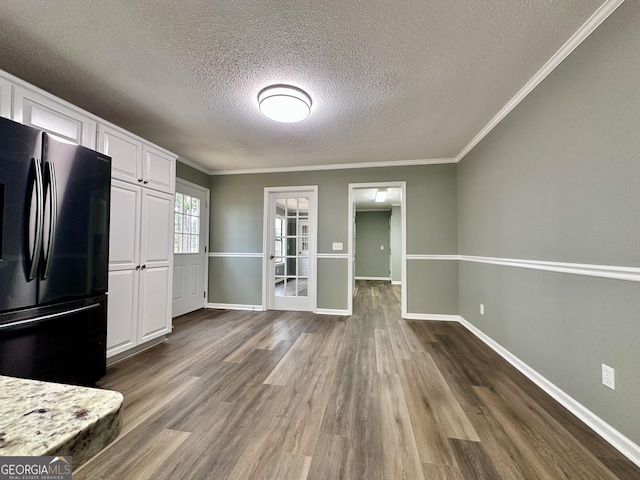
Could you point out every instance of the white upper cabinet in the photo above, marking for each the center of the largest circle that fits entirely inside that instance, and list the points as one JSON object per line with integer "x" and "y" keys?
{"x": 158, "y": 169}
{"x": 5, "y": 98}
{"x": 43, "y": 112}
{"x": 135, "y": 161}
{"x": 125, "y": 152}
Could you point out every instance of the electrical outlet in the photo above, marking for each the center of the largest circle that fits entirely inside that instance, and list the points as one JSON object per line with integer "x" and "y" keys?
{"x": 482, "y": 309}
{"x": 608, "y": 377}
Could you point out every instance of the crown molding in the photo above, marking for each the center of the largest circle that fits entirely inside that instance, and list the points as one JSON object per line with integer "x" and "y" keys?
{"x": 599, "y": 16}
{"x": 337, "y": 166}
{"x": 192, "y": 164}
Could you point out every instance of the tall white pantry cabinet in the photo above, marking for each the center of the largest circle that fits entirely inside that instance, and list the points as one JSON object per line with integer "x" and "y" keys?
{"x": 141, "y": 240}
{"x": 142, "y": 204}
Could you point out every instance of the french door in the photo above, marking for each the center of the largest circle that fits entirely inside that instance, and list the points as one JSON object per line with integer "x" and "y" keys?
{"x": 291, "y": 248}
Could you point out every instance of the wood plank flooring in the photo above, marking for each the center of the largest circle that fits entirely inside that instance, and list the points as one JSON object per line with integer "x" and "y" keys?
{"x": 290, "y": 395}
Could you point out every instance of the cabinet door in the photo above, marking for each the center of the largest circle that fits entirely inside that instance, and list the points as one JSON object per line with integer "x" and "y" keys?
{"x": 46, "y": 113}
{"x": 158, "y": 170}
{"x": 156, "y": 248}
{"x": 124, "y": 229}
{"x": 122, "y": 311}
{"x": 125, "y": 152}
{"x": 154, "y": 313}
{"x": 5, "y": 98}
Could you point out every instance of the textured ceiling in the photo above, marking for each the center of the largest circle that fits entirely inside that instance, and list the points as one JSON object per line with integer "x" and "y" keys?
{"x": 390, "y": 79}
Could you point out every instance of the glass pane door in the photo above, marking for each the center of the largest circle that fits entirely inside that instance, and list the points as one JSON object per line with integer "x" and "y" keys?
{"x": 291, "y": 241}
{"x": 291, "y": 247}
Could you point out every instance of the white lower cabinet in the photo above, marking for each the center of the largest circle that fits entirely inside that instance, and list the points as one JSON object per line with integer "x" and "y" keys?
{"x": 122, "y": 311}
{"x": 140, "y": 266}
{"x": 153, "y": 310}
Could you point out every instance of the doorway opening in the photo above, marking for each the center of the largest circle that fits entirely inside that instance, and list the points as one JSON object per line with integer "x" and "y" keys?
{"x": 379, "y": 252}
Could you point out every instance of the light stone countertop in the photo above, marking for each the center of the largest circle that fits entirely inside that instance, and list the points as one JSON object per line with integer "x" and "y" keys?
{"x": 42, "y": 418}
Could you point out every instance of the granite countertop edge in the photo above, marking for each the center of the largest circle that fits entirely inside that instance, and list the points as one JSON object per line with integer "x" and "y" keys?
{"x": 43, "y": 418}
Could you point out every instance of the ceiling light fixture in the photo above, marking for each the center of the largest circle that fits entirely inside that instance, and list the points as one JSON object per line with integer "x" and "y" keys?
{"x": 381, "y": 195}
{"x": 284, "y": 103}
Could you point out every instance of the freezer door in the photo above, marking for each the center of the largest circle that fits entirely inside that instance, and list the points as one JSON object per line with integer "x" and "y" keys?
{"x": 59, "y": 343}
{"x": 75, "y": 245}
{"x": 21, "y": 208}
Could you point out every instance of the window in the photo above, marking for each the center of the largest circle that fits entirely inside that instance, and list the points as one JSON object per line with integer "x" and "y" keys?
{"x": 186, "y": 238}
{"x": 280, "y": 232}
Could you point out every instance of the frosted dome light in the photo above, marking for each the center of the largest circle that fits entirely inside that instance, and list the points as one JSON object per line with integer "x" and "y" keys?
{"x": 284, "y": 103}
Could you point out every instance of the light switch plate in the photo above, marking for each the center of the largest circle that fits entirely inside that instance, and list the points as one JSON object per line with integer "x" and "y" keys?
{"x": 337, "y": 246}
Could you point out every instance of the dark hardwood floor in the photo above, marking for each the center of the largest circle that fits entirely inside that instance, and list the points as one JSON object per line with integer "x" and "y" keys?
{"x": 290, "y": 395}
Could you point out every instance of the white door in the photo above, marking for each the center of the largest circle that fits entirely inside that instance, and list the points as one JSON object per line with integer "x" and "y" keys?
{"x": 124, "y": 267}
{"x": 189, "y": 247}
{"x": 291, "y": 249}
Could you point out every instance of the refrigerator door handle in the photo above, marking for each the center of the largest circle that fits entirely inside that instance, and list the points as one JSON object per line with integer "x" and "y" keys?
{"x": 35, "y": 220}
{"x": 48, "y": 317}
{"x": 51, "y": 207}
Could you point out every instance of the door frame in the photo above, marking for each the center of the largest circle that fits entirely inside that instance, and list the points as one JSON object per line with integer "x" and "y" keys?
{"x": 402, "y": 185}
{"x": 312, "y": 190}
{"x": 205, "y": 223}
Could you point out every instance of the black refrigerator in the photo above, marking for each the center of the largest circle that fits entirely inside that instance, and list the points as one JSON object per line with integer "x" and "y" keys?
{"x": 54, "y": 248}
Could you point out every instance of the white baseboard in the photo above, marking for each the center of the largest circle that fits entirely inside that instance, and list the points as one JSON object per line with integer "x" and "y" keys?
{"x": 432, "y": 316}
{"x": 620, "y": 442}
{"x": 396, "y": 282}
{"x": 234, "y": 306}
{"x": 138, "y": 349}
{"x": 331, "y": 311}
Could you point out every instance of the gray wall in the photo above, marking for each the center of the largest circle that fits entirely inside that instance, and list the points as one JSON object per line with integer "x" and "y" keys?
{"x": 372, "y": 232}
{"x": 396, "y": 244}
{"x": 190, "y": 174}
{"x": 558, "y": 180}
{"x": 236, "y": 227}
